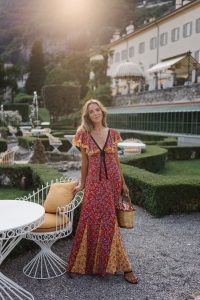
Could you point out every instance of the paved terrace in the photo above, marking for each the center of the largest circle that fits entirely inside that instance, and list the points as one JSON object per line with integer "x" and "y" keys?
{"x": 165, "y": 254}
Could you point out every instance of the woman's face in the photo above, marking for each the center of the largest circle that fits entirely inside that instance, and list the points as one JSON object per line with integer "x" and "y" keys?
{"x": 95, "y": 113}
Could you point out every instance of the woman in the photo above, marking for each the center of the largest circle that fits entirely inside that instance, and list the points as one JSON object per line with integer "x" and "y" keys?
{"x": 97, "y": 246}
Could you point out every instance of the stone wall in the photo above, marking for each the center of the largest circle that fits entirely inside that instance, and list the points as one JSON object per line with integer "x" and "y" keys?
{"x": 175, "y": 94}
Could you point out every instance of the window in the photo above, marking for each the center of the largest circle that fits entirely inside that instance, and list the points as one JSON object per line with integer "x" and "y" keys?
{"x": 163, "y": 39}
{"x": 141, "y": 47}
{"x": 124, "y": 54}
{"x": 197, "y": 55}
{"x": 187, "y": 29}
{"x": 117, "y": 57}
{"x": 153, "y": 43}
{"x": 111, "y": 59}
{"x": 198, "y": 25}
{"x": 175, "y": 34}
{"x": 131, "y": 51}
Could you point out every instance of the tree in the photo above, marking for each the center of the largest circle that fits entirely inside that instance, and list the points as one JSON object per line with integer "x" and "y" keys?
{"x": 61, "y": 100}
{"x": 99, "y": 67}
{"x": 2, "y": 77}
{"x": 37, "y": 72}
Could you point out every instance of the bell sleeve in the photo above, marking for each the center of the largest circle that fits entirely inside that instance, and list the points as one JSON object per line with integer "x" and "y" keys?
{"x": 80, "y": 140}
{"x": 117, "y": 137}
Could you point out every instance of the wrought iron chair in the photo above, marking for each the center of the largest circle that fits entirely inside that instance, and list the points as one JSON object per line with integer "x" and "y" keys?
{"x": 7, "y": 157}
{"x": 54, "y": 142}
{"x": 46, "y": 264}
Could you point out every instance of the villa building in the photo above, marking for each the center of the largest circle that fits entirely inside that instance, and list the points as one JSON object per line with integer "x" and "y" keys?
{"x": 167, "y": 52}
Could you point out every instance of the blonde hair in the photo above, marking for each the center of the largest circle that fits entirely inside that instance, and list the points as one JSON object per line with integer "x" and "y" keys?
{"x": 86, "y": 123}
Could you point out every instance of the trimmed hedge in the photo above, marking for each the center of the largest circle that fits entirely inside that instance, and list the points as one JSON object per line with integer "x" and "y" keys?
{"x": 142, "y": 136}
{"x": 36, "y": 175}
{"x": 183, "y": 152}
{"x": 23, "y": 109}
{"x": 153, "y": 159}
{"x": 28, "y": 142}
{"x": 162, "y": 195}
{"x": 169, "y": 141}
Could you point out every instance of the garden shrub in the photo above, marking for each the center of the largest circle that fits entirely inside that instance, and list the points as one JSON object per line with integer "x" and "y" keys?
{"x": 153, "y": 159}
{"x": 169, "y": 141}
{"x": 27, "y": 142}
{"x": 162, "y": 195}
{"x": 183, "y": 152}
{"x": 23, "y": 98}
{"x": 22, "y": 108}
{"x": 142, "y": 136}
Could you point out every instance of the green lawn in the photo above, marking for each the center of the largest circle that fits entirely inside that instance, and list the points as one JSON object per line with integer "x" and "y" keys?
{"x": 12, "y": 193}
{"x": 182, "y": 167}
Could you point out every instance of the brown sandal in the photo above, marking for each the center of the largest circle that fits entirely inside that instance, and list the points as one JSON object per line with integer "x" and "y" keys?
{"x": 131, "y": 279}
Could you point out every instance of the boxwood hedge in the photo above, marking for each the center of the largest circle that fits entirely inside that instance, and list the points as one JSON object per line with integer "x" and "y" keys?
{"x": 162, "y": 195}
{"x": 153, "y": 159}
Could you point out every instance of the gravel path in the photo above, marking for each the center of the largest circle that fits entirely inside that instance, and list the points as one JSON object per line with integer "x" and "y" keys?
{"x": 165, "y": 254}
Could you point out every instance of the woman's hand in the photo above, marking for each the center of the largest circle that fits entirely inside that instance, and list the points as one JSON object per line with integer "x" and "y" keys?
{"x": 79, "y": 187}
{"x": 125, "y": 189}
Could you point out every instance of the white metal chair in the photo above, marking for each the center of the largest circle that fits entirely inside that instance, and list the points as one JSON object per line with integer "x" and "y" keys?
{"x": 46, "y": 264}
{"x": 54, "y": 142}
{"x": 7, "y": 157}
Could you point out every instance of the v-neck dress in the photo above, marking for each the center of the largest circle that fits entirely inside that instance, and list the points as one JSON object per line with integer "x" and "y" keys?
{"x": 97, "y": 247}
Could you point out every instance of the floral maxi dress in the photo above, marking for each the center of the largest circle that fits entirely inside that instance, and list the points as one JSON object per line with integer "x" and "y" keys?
{"x": 97, "y": 247}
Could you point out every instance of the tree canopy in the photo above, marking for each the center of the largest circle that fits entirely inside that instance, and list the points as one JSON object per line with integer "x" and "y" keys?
{"x": 36, "y": 69}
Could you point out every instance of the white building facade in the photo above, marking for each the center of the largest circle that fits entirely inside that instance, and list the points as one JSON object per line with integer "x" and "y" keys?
{"x": 171, "y": 35}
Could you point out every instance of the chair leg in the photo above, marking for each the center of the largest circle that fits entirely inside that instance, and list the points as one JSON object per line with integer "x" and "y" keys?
{"x": 45, "y": 264}
{"x": 11, "y": 290}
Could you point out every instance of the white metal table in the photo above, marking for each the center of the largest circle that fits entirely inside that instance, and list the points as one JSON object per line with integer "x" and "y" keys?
{"x": 16, "y": 219}
{"x": 73, "y": 150}
{"x": 126, "y": 145}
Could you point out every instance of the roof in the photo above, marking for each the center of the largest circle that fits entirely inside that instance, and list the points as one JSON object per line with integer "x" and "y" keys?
{"x": 129, "y": 69}
{"x": 180, "y": 64}
{"x": 153, "y": 109}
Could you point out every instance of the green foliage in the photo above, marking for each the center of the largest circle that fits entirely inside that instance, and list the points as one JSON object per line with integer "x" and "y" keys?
{"x": 28, "y": 142}
{"x": 3, "y": 145}
{"x": 74, "y": 70}
{"x": 142, "y": 136}
{"x": 162, "y": 195}
{"x": 4, "y": 132}
{"x": 23, "y": 109}
{"x": 142, "y": 14}
{"x": 183, "y": 152}
{"x": 37, "y": 73}
{"x": 103, "y": 93}
{"x": 57, "y": 76}
{"x": 61, "y": 100}
{"x": 2, "y": 77}
{"x": 169, "y": 141}
{"x": 43, "y": 114}
{"x": 152, "y": 160}
{"x": 23, "y": 98}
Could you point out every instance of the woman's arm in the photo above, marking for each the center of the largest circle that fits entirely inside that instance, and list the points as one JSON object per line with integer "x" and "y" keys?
{"x": 124, "y": 186}
{"x": 84, "y": 170}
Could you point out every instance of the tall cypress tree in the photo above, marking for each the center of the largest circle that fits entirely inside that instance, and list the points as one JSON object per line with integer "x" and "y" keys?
{"x": 37, "y": 72}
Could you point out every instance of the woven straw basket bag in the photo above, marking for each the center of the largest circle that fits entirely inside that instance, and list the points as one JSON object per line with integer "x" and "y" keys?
{"x": 126, "y": 213}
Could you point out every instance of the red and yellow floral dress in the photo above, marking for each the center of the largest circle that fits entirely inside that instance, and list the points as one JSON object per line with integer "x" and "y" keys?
{"x": 97, "y": 246}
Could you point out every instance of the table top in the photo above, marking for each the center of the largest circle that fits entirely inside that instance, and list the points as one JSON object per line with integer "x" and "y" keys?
{"x": 19, "y": 217}
{"x": 131, "y": 144}
{"x": 69, "y": 135}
